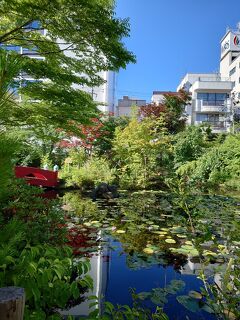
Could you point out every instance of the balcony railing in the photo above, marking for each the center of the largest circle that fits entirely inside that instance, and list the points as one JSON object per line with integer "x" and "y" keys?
{"x": 214, "y": 106}
{"x": 215, "y": 124}
{"x": 210, "y": 79}
{"x": 213, "y": 103}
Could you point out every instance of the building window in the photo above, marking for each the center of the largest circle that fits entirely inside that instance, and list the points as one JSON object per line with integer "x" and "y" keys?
{"x": 10, "y": 47}
{"x": 213, "y": 99}
{"x": 232, "y": 71}
{"x": 204, "y": 117}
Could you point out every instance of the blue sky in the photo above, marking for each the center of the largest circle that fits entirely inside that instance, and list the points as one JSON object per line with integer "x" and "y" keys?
{"x": 171, "y": 38}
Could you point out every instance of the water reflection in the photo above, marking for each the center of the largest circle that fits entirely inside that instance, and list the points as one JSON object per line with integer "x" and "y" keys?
{"x": 144, "y": 241}
{"x": 100, "y": 264}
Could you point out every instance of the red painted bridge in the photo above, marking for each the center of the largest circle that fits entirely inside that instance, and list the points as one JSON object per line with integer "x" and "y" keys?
{"x": 37, "y": 177}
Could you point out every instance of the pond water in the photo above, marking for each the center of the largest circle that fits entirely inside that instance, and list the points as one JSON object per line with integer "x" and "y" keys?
{"x": 154, "y": 245}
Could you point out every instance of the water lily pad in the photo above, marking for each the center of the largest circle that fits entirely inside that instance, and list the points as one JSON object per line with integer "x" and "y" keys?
{"x": 175, "y": 286}
{"x": 195, "y": 295}
{"x": 181, "y": 236}
{"x": 149, "y": 222}
{"x": 148, "y": 250}
{"x": 120, "y": 231}
{"x": 178, "y": 229}
{"x": 189, "y": 243}
{"x": 209, "y": 253}
{"x": 189, "y": 303}
{"x": 186, "y": 250}
{"x": 170, "y": 241}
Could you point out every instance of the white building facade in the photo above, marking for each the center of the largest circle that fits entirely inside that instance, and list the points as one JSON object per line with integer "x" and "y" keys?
{"x": 211, "y": 100}
{"x": 216, "y": 96}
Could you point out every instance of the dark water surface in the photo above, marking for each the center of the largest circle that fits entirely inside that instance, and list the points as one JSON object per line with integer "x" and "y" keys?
{"x": 142, "y": 243}
{"x": 121, "y": 277}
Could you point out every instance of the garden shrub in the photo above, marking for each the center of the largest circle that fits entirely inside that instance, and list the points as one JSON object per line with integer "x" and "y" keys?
{"x": 219, "y": 167}
{"x": 47, "y": 273}
{"x": 7, "y": 148}
{"x": 93, "y": 171}
{"x": 33, "y": 254}
{"x": 190, "y": 145}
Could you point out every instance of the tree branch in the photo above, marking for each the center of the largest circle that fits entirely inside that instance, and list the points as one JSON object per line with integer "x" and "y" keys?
{"x": 5, "y": 36}
{"x": 49, "y": 52}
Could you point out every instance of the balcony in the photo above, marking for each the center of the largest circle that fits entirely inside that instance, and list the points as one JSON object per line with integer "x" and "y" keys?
{"x": 216, "y": 126}
{"x": 216, "y": 106}
{"x": 214, "y": 86}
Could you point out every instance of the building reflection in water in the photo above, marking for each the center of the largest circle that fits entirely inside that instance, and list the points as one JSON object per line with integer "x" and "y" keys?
{"x": 100, "y": 265}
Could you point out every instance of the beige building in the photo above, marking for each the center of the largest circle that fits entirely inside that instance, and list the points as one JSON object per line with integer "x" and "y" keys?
{"x": 126, "y": 104}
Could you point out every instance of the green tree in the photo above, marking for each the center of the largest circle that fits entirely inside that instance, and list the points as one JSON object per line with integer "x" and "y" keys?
{"x": 140, "y": 151}
{"x": 83, "y": 38}
{"x": 190, "y": 144}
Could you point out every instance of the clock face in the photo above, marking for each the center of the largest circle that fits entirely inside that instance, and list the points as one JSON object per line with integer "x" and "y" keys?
{"x": 225, "y": 46}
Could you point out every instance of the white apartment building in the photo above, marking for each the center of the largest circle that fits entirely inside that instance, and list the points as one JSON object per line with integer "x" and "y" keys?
{"x": 126, "y": 104}
{"x": 216, "y": 96}
{"x": 211, "y": 100}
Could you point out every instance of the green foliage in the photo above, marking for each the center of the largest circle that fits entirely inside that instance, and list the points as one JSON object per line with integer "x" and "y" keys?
{"x": 33, "y": 255}
{"x": 75, "y": 51}
{"x": 82, "y": 207}
{"x": 217, "y": 167}
{"x": 140, "y": 151}
{"x": 45, "y": 272}
{"x": 42, "y": 218}
{"x": 10, "y": 111}
{"x": 92, "y": 172}
{"x": 190, "y": 145}
{"x": 8, "y": 146}
{"x": 103, "y": 145}
{"x": 121, "y": 312}
{"x": 222, "y": 299}
{"x": 39, "y": 143}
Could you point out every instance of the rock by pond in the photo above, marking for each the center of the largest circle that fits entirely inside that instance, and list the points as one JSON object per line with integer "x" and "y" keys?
{"x": 105, "y": 191}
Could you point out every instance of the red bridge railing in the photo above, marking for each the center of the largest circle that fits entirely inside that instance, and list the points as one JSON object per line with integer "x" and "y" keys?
{"x": 37, "y": 176}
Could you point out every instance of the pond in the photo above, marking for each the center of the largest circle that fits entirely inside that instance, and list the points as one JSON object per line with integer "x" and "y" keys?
{"x": 155, "y": 249}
